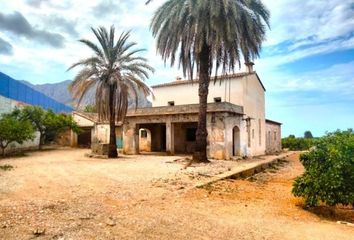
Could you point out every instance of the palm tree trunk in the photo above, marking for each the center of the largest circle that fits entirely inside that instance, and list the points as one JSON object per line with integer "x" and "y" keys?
{"x": 112, "y": 148}
{"x": 200, "y": 154}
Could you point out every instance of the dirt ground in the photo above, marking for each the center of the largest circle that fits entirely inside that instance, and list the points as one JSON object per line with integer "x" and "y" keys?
{"x": 61, "y": 194}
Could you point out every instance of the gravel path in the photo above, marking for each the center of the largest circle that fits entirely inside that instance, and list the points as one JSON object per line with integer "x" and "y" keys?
{"x": 61, "y": 194}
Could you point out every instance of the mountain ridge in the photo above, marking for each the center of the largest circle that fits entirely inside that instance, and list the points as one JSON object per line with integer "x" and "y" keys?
{"x": 60, "y": 92}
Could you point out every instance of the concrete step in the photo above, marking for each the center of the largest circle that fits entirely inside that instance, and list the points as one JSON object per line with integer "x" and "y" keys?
{"x": 246, "y": 170}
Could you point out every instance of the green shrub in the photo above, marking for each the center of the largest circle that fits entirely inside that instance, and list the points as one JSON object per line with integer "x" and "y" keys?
{"x": 329, "y": 171}
{"x": 46, "y": 122}
{"x": 13, "y": 129}
{"x": 298, "y": 144}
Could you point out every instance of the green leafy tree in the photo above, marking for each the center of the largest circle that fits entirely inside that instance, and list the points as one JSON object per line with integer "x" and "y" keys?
{"x": 46, "y": 122}
{"x": 207, "y": 36}
{"x": 114, "y": 72}
{"x": 329, "y": 171}
{"x": 13, "y": 129}
{"x": 298, "y": 144}
{"x": 308, "y": 134}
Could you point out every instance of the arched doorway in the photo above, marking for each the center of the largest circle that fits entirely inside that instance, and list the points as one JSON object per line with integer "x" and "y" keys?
{"x": 144, "y": 140}
{"x": 236, "y": 144}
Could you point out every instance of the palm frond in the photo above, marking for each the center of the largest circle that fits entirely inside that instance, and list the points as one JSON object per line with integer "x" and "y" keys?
{"x": 115, "y": 72}
{"x": 232, "y": 29}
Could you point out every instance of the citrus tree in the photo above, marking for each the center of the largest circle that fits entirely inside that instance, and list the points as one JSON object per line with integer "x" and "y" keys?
{"x": 46, "y": 122}
{"x": 13, "y": 129}
{"x": 329, "y": 171}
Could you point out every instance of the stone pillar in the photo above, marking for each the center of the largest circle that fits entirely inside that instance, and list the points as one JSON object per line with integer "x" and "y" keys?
{"x": 130, "y": 139}
{"x": 136, "y": 139}
{"x": 170, "y": 144}
{"x": 73, "y": 139}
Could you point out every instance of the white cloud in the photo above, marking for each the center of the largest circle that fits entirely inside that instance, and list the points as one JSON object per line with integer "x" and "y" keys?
{"x": 298, "y": 20}
{"x": 337, "y": 80}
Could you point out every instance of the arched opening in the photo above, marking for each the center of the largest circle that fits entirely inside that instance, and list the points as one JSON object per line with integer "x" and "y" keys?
{"x": 144, "y": 140}
{"x": 236, "y": 141}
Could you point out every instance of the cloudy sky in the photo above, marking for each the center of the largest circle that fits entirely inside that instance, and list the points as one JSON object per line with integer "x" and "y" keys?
{"x": 307, "y": 62}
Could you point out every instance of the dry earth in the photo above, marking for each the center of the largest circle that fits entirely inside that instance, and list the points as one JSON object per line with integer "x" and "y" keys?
{"x": 61, "y": 194}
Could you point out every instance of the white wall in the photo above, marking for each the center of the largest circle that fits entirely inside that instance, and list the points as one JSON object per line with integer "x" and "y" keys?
{"x": 254, "y": 107}
{"x": 273, "y": 138}
{"x": 229, "y": 90}
{"x": 27, "y": 145}
{"x": 82, "y": 121}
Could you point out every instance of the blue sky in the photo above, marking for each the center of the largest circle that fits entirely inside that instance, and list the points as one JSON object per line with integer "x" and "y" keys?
{"x": 307, "y": 62}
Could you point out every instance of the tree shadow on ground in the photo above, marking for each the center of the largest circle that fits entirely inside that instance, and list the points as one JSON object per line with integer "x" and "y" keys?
{"x": 27, "y": 153}
{"x": 338, "y": 213}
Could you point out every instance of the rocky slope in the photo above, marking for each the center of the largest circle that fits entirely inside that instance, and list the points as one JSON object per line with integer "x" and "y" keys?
{"x": 59, "y": 92}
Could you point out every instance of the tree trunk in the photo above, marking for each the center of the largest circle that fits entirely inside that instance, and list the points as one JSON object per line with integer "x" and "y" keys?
{"x": 200, "y": 154}
{"x": 2, "y": 151}
{"x": 112, "y": 148}
{"x": 41, "y": 140}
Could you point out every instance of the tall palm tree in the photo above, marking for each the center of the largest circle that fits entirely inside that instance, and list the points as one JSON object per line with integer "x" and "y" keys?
{"x": 114, "y": 72}
{"x": 207, "y": 36}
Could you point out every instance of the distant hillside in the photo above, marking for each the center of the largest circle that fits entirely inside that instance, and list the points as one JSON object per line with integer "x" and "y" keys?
{"x": 59, "y": 92}
{"x": 24, "y": 93}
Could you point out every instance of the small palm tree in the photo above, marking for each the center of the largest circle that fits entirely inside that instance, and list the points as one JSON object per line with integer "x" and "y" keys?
{"x": 207, "y": 36}
{"x": 114, "y": 72}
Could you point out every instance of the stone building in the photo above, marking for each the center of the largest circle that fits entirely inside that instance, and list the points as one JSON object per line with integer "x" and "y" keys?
{"x": 273, "y": 136}
{"x": 236, "y": 121}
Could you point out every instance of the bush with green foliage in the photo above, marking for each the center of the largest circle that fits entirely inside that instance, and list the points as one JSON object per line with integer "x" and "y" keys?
{"x": 298, "y": 144}
{"x": 329, "y": 171}
{"x": 13, "y": 129}
{"x": 46, "y": 122}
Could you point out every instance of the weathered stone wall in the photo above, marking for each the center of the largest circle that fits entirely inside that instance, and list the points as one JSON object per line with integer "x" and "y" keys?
{"x": 175, "y": 135}
{"x": 273, "y": 138}
{"x": 100, "y": 133}
{"x": 99, "y": 148}
{"x": 63, "y": 138}
{"x": 27, "y": 145}
{"x": 181, "y": 144}
{"x": 240, "y": 146}
{"x": 216, "y": 136}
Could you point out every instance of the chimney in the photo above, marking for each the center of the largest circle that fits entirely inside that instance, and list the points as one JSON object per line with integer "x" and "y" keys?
{"x": 249, "y": 67}
{"x": 178, "y": 78}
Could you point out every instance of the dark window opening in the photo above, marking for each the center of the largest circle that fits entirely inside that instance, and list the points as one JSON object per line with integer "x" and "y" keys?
{"x": 171, "y": 103}
{"x": 191, "y": 134}
{"x": 143, "y": 134}
{"x": 217, "y": 99}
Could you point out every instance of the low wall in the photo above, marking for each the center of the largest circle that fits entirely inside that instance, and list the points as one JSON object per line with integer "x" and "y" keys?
{"x": 28, "y": 145}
